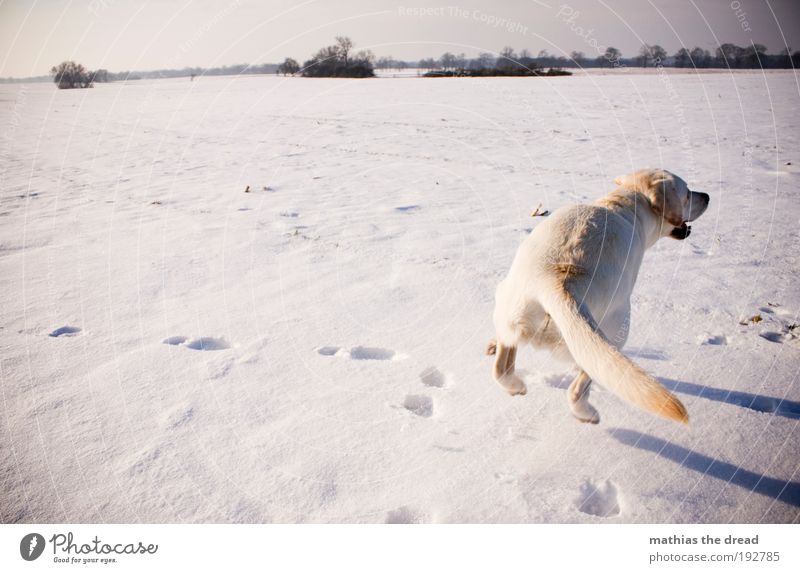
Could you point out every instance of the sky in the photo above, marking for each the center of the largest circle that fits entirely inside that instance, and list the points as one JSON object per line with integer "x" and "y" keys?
{"x": 142, "y": 35}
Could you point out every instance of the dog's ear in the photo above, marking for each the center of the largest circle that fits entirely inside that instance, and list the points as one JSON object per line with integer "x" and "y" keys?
{"x": 636, "y": 180}
{"x": 664, "y": 198}
{"x": 628, "y": 180}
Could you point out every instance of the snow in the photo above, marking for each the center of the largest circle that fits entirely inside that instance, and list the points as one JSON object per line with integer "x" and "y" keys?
{"x": 177, "y": 350}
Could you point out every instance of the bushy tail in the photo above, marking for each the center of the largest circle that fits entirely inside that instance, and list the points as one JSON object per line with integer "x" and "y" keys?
{"x": 604, "y": 363}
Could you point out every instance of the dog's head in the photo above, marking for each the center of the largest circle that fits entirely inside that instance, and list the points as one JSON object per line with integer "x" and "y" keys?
{"x": 670, "y": 199}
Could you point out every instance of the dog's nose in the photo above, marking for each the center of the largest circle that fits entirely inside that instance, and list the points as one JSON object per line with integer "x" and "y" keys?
{"x": 699, "y": 204}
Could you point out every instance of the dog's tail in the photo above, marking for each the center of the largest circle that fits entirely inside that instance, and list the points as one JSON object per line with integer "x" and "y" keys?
{"x": 604, "y": 363}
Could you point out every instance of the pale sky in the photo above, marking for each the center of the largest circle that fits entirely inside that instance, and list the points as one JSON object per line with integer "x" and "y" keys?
{"x": 143, "y": 35}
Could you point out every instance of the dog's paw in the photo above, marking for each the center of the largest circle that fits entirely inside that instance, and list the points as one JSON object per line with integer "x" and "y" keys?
{"x": 491, "y": 348}
{"x": 585, "y": 413}
{"x": 520, "y": 390}
{"x": 593, "y": 420}
{"x": 513, "y": 385}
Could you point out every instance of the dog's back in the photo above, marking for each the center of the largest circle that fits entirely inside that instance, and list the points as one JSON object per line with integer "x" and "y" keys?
{"x": 585, "y": 250}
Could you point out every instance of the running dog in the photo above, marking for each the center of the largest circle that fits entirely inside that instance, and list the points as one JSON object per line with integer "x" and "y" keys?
{"x": 570, "y": 285}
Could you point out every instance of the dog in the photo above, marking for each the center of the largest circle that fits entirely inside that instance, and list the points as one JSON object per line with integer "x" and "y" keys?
{"x": 569, "y": 288}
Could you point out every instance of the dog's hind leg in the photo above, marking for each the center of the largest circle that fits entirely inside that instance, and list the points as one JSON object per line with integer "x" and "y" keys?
{"x": 506, "y": 357}
{"x": 578, "y": 395}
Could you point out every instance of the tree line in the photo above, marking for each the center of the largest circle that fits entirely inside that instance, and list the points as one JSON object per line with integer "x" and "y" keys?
{"x": 340, "y": 60}
{"x": 727, "y": 55}
{"x": 70, "y": 74}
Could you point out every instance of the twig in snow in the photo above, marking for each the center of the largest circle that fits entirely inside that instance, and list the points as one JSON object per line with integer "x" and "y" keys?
{"x": 537, "y": 213}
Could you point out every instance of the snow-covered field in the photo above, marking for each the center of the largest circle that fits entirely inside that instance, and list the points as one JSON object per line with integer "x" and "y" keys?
{"x": 177, "y": 350}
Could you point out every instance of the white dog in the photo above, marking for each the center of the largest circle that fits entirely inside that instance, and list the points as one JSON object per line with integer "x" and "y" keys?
{"x": 570, "y": 284}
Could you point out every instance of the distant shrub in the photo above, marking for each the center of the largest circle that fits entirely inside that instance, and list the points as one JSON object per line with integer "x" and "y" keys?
{"x": 497, "y": 72}
{"x": 289, "y": 66}
{"x": 69, "y": 75}
{"x": 557, "y": 72}
{"x": 337, "y": 62}
{"x": 100, "y": 76}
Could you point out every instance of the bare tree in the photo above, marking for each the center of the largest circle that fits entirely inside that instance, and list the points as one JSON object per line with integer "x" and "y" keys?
{"x": 99, "y": 76}
{"x": 364, "y": 56}
{"x": 448, "y": 61}
{"x": 507, "y": 59}
{"x": 753, "y": 55}
{"x": 658, "y": 54}
{"x": 578, "y": 57}
{"x": 428, "y": 64}
{"x": 644, "y": 55}
{"x": 786, "y": 57}
{"x": 344, "y": 45}
{"x": 729, "y": 55}
{"x": 611, "y": 55}
{"x": 327, "y": 54}
{"x": 384, "y": 63}
{"x": 682, "y": 58}
{"x": 700, "y": 58}
{"x": 485, "y": 60}
{"x": 289, "y": 66}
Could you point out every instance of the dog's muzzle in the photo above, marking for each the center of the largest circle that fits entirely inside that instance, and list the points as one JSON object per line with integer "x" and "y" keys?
{"x": 681, "y": 232}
